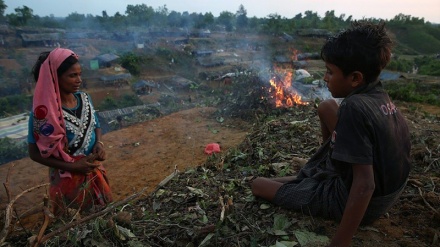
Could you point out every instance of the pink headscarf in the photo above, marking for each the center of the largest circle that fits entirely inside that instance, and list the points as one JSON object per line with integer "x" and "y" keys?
{"x": 49, "y": 127}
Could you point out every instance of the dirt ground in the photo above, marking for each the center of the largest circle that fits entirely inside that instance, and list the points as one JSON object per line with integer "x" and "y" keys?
{"x": 139, "y": 156}
{"x": 142, "y": 155}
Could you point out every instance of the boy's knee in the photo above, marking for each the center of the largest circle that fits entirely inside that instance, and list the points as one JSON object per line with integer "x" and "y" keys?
{"x": 327, "y": 105}
{"x": 328, "y": 109}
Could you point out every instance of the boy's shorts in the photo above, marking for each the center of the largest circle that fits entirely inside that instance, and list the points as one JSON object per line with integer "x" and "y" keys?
{"x": 326, "y": 198}
{"x": 319, "y": 191}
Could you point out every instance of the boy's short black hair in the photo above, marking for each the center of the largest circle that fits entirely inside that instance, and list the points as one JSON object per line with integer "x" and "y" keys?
{"x": 364, "y": 47}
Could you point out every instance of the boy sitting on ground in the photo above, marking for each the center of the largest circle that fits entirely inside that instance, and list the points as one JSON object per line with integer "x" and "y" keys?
{"x": 363, "y": 165}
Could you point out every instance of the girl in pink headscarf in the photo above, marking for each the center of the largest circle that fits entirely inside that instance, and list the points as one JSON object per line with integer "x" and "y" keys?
{"x": 65, "y": 135}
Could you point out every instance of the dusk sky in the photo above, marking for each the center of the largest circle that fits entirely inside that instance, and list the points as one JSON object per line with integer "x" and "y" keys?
{"x": 384, "y": 9}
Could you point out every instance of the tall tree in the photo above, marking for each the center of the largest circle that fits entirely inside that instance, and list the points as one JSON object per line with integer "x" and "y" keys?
{"x": 21, "y": 16}
{"x": 241, "y": 17}
{"x": 3, "y": 7}
{"x": 139, "y": 14}
{"x": 208, "y": 19}
{"x": 75, "y": 20}
{"x": 329, "y": 20}
{"x": 174, "y": 19}
{"x": 274, "y": 24}
{"x": 225, "y": 18}
{"x": 311, "y": 19}
{"x": 161, "y": 15}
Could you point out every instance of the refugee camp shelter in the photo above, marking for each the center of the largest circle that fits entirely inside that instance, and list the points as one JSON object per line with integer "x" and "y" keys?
{"x": 179, "y": 82}
{"x": 117, "y": 80}
{"x": 309, "y": 56}
{"x": 387, "y": 75}
{"x": 41, "y": 39}
{"x": 281, "y": 59}
{"x": 107, "y": 60}
{"x": 287, "y": 37}
{"x": 202, "y": 53}
{"x": 14, "y": 127}
{"x": 144, "y": 87}
{"x": 300, "y": 64}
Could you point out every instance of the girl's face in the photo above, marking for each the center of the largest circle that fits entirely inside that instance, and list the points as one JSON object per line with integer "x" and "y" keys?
{"x": 338, "y": 84}
{"x": 70, "y": 81}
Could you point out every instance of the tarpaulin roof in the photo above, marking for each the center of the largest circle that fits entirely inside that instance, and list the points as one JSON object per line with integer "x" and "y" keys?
{"x": 390, "y": 75}
{"x": 14, "y": 127}
{"x": 107, "y": 57}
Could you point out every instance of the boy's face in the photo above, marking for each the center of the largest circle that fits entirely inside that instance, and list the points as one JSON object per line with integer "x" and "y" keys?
{"x": 339, "y": 85}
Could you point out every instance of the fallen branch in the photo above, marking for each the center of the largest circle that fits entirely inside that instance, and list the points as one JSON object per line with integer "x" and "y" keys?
{"x": 90, "y": 217}
{"x": 47, "y": 216}
{"x": 6, "y": 183}
{"x": 167, "y": 179}
{"x": 5, "y": 230}
{"x": 427, "y": 204}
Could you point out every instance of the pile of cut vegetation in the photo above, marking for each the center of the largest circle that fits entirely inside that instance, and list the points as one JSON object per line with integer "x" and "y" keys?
{"x": 212, "y": 205}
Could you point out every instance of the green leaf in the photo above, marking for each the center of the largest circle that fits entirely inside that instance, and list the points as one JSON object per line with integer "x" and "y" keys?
{"x": 285, "y": 244}
{"x": 196, "y": 191}
{"x": 310, "y": 238}
{"x": 206, "y": 240}
{"x": 281, "y": 222}
{"x": 124, "y": 233}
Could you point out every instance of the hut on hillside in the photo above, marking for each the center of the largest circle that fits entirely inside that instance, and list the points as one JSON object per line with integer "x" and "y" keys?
{"x": 118, "y": 80}
{"x": 178, "y": 82}
{"x": 281, "y": 59}
{"x": 41, "y": 39}
{"x": 386, "y": 75}
{"x": 300, "y": 64}
{"x": 202, "y": 53}
{"x": 144, "y": 87}
{"x": 107, "y": 60}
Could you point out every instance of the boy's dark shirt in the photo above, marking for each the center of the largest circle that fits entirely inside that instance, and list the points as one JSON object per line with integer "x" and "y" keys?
{"x": 371, "y": 130}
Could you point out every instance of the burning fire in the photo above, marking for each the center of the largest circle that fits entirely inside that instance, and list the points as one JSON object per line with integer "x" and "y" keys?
{"x": 282, "y": 92}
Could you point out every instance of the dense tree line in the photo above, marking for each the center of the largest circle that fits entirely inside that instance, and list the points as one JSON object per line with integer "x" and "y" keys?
{"x": 141, "y": 15}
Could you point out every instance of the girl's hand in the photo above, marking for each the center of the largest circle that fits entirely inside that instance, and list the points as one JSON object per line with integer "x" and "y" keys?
{"x": 98, "y": 149}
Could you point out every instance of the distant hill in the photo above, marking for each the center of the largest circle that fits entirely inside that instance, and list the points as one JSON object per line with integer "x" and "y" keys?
{"x": 416, "y": 40}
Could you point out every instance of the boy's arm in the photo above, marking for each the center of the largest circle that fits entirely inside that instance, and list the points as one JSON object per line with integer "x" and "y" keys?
{"x": 361, "y": 192}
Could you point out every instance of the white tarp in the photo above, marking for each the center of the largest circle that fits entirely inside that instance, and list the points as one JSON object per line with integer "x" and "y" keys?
{"x": 301, "y": 74}
{"x": 14, "y": 127}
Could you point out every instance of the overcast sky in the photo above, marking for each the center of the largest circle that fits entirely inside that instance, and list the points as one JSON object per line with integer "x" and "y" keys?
{"x": 385, "y": 9}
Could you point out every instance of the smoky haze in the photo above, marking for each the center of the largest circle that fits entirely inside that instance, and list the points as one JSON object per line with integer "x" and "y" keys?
{"x": 158, "y": 60}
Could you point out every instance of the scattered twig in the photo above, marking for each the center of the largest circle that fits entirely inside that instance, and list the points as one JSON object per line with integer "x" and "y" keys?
{"x": 47, "y": 216}
{"x": 167, "y": 179}
{"x": 222, "y": 204}
{"x": 4, "y": 233}
{"x": 435, "y": 163}
{"x": 427, "y": 203}
{"x": 6, "y": 183}
{"x": 8, "y": 191}
{"x": 90, "y": 217}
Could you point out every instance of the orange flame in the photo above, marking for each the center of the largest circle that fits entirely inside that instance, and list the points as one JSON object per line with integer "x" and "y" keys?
{"x": 282, "y": 91}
